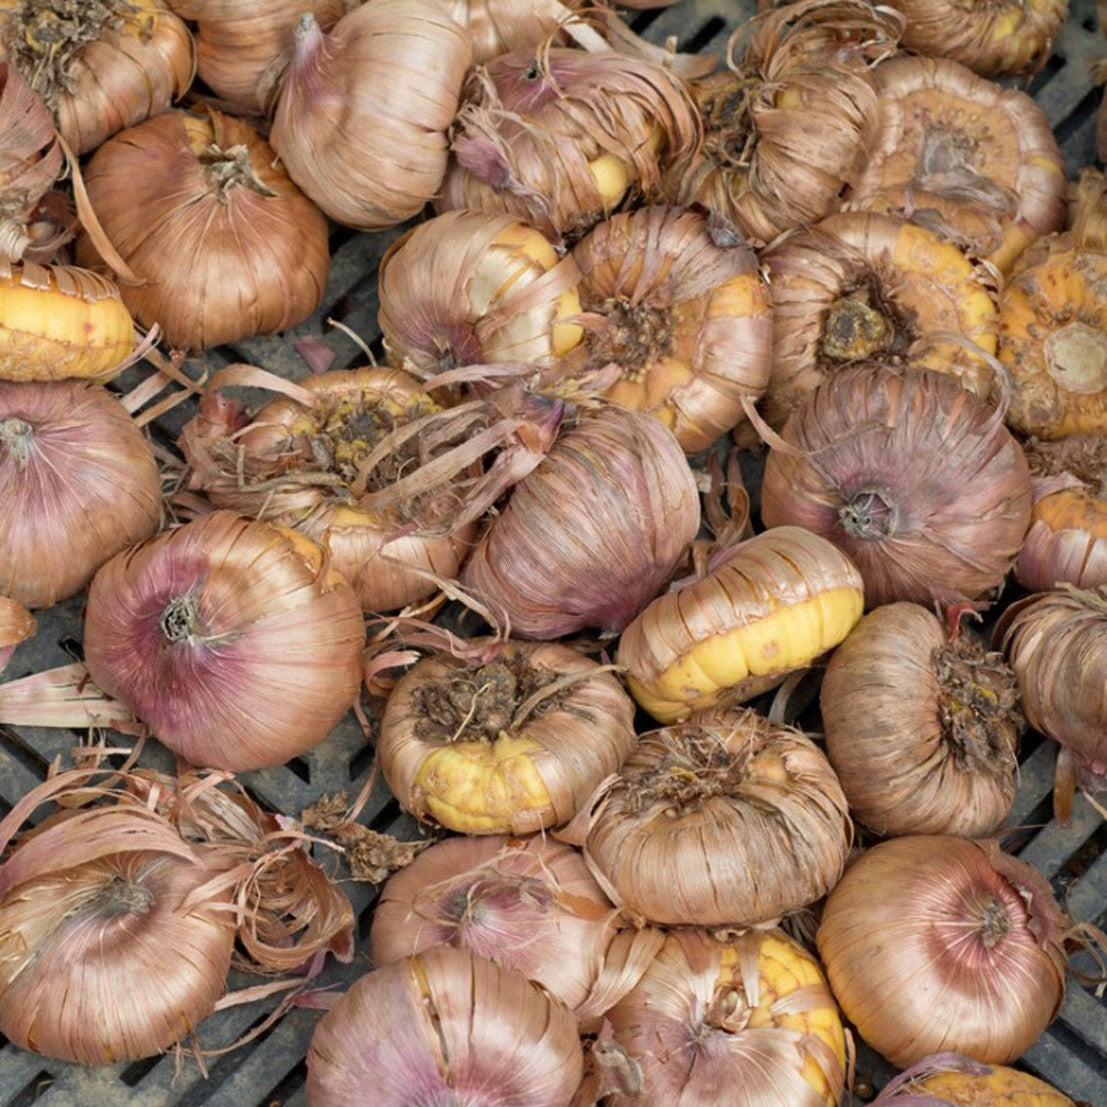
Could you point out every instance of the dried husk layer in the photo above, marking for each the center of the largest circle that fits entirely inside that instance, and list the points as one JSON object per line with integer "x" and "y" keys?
{"x": 952, "y": 1080}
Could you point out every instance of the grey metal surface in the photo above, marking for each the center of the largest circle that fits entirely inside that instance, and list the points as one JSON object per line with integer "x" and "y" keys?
{"x": 269, "y": 1072}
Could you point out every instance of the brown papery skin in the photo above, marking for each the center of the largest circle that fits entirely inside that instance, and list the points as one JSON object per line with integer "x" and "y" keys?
{"x": 116, "y": 78}
{"x": 936, "y": 944}
{"x": 920, "y": 732}
{"x": 465, "y": 288}
{"x": 229, "y": 637}
{"x": 688, "y": 322}
{"x": 445, "y": 1027}
{"x": 528, "y": 774}
{"x": 241, "y": 45}
{"x": 731, "y": 1020}
{"x": 527, "y": 904}
{"x": 99, "y": 963}
{"x": 382, "y": 557}
{"x": 974, "y": 160}
{"x": 228, "y": 246}
{"x": 914, "y": 477}
{"x": 727, "y": 819}
{"x": 593, "y": 533}
{"x": 363, "y": 111}
{"x": 80, "y": 484}
{"x": 1002, "y": 36}
{"x": 906, "y": 281}
{"x": 763, "y": 166}
{"x": 1055, "y": 643}
{"x": 532, "y": 122}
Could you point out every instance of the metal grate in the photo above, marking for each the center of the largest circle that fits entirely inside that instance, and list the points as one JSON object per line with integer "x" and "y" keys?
{"x": 269, "y": 1072}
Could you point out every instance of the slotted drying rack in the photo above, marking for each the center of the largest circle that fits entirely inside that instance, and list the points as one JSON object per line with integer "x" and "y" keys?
{"x": 269, "y": 1071}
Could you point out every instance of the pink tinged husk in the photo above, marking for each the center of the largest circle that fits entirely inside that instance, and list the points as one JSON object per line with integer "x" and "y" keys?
{"x": 16, "y": 625}
{"x": 924, "y": 924}
{"x": 533, "y": 121}
{"x": 363, "y": 111}
{"x": 1054, "y": 642}
{"x": 234, "y": 643}
{"x": 686, "y": 1025}
{"x": 445, "y": 1027}
{"x": 911, "y": 475}
{"x": 727, "y": 819}
{"x": 1072, "y": 555}
{"x": 661, "y": 292}
{"x": 593, "y": 533}
{"x": 527, "y": 904}
{"x": 80, "y": 483}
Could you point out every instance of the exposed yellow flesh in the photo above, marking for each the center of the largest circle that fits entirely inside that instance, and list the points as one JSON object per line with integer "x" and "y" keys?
{"x": 612, "y": 176}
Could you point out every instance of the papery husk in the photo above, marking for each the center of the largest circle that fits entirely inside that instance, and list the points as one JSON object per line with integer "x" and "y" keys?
{"x": 768, "y": 606}
{"x": 687, "y": 323}
{"x": 59, "y": 321}
{"x": 241, "y": 46}
{"x": 593, "y": 533}
{"x": 1053, "y": 641}
{"x": 557, "y": 136}
{"x": 861, "y": 285}
{"x": 80, "y": 484}
{"x": 231, "y": 638}
{"x": 788, "y": 128}
{"x": 361, "y": 120}
{"x": 506, "y": 747}
{"x": 734, "y": 1020}
{"x": 1067, "y": 539}
{"x": 726, "y": 819}
{"x": 922, "y": 732}
{"x": 925, "y": 922}
{"x": 974, "y": 161}
{"x": 913, "y": 476}
{"x": 227, "y": 247}
{"x": 17, "y": 624}
{"x": 472, "y": 288}
{"x": 951, "y": 1080}
{"x": 1002, "y": 36}
{"x": 306, "y": 460}
{"x": 114, "y": 64}
{"x": 457, "y": 1026}
{"x": 30, "y": 158}
{"x": 118, "y": 913}
{"x": 527, "y": 904}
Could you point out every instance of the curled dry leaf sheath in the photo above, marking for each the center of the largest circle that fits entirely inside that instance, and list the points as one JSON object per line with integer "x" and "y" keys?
{"x": 593, "y": 533}
{"x": 788, "y": 127}
{"x": 471, "y": 288}
{"x": 501, "y": 26}
{"x": 557, "y": 136}
{"x": 688, "y": 323}
{"x": 80, "y": 484}
{"x": 921, "y": 732}
{"x": 740, "y": 1020}
{"x": 361, "y": 120}
{"x": 930, "y": 924}
{"x": 100, "y": 65}
{"x": 974, "y": 161}
{"x": 242, "y": 46}
{"x": 512, "y": 746}
{"x": 951, "y": 1080}
{"x": 1054, "y": 642}
{"x": 725, "y": 819}
{"x": 30, "y": 158}
{"x": 226, "y": 245}
{"x": 229, "y": 637}
{"x": 1002, "y": 36}
{"x": 778, "y": 602}
{"x": 60, "y": 321}
{"x": 917, "y": 479}
{"x": 527, "y": 904}
{"x": 458, "y": 1028}
{"x": 862, "y": 285}
{"x": 1067, "y": 539}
